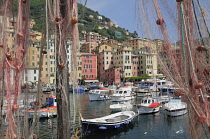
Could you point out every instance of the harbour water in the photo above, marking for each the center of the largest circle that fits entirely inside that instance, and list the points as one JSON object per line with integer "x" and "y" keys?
{"x": 149, "y": 126}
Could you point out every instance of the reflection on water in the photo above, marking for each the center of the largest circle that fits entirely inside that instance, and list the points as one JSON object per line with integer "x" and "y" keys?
{"x": 150, "y": 126}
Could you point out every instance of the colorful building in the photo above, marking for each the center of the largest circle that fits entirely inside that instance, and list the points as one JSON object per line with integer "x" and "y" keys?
{"x": 89, "y": 66}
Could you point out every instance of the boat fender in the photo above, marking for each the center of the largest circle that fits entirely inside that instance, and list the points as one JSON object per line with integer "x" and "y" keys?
{"x": 131, "y": 120}
{"x": 126, "y": 122}
{"x": 102, "y": 127}
{"x": 117, "y": 126}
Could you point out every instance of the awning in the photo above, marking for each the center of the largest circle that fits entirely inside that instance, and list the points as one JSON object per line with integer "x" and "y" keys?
{"x": 91, "y": 81}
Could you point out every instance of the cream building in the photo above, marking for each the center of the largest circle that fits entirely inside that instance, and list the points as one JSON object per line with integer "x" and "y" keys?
{"x": 123, "y": 59}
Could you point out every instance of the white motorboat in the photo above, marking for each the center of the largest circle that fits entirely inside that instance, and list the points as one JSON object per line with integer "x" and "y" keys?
{"x": 122, "y": 94}
{"x": 148, "y": 105}
{"x": 110, "y": 122}
{"x": 97, "y": 94}
{"x": 175, "y": 107}
{"x": 121, "y": 106}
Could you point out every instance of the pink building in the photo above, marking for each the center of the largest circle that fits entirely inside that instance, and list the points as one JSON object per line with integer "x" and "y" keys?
{"x": 89, "y": 66}
{"x": 105, "y": 62}
{"x": 112, "y": 76}
{"x": 135, "y": 66}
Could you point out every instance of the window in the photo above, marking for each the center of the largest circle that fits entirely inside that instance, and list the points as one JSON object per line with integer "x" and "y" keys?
{"x": 34, "y": 71}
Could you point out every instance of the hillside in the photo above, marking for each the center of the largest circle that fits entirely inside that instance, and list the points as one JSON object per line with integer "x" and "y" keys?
{"x": 86, "y": 23}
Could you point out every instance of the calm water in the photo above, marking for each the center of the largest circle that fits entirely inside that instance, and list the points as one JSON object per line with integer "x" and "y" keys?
{"x": 158, "y": 125}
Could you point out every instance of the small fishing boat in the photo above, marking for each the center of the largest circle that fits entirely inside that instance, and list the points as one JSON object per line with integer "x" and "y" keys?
{"x": 49, "y": 109}
{"x": 122, "y": 94}
{"x": 175, "y": 107}
{"x": 98, "y": 94}
{"x": 121, "y": 106}
{"x": 109, "y": 122}
{"x": 148, "y": 105}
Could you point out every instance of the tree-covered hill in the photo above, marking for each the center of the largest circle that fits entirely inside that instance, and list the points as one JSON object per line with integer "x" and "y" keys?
{"x": 86, "y": 23}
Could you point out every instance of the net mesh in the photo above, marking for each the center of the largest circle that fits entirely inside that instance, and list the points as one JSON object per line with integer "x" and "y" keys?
{"x": 184, "y": 55}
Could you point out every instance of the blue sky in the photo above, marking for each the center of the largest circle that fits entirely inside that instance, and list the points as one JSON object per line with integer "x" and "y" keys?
{"x": 121, "y": 12}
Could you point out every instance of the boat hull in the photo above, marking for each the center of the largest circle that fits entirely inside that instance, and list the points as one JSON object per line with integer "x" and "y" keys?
{"x": 147, "y": 110}
{"x": 44, "y": 112}
{"x": 122, "y": 98}
{"x": 97, "y": 97}
{"x": 177, "y": 112}
{"x": 110, "y": 122}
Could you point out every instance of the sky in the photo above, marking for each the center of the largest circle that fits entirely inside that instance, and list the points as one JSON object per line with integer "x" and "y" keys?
{"x": 121, "y": 12}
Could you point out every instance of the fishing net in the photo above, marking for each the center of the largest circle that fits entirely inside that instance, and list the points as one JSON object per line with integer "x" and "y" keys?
{"x": 184, "y": 55}
{"x": 15, "y": 26}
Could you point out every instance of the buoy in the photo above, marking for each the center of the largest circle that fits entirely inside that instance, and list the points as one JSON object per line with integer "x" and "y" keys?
{"x": 44, "y": 52}
{"x": 8, "y": 54}
{"x": 198, "y": 85}
{"x": 74, "y": 20}
{"x": 20, "y": 34}
{"x": 145, "y": 133}
{"x": 23, "y": 18}
{"x": 14, "y": 136}
{"x": 201, "y": 48}
{"x": 179, "y": 0}
{"x": 24, "y": 1}
{"x": 202, "y": 118}
{"x": 36, "y": 103}
{"x": 23, "y": 86}
{"x": 23, "y": 50}
{"x": 57, "y": 19}
{"x": 160, "y": 21}
{"x": 34, "y": 137}
{"x": 62, "y": 65}
{"x": 15, "y": 107}
{"x": 1, "y": 45}
{"x": 22, "y": 137}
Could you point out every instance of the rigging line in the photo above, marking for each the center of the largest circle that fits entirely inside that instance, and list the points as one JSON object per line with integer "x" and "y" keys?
{"x": 190, "y": 54}
{"x": 183, "y": 50}
{"x": 188, "y": 44}
{"x": 47, "y": 41}
{"x": 196, "y": 19}
{"x": 83, "y": 10}
{"x": 204, "y": 20}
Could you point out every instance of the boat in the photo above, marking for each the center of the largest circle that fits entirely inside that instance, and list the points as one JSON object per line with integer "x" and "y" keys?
{"x": 99, "y": 94}
{"x": 152, "y": 87}
{"x": 148, "y": 105}
{"x": 110, "y": 122}
{"x": 122, "y": 94}
{"x": 175, "y": 107}
{"x": 49, "y": 109}
{"x": 121, "y": 106}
